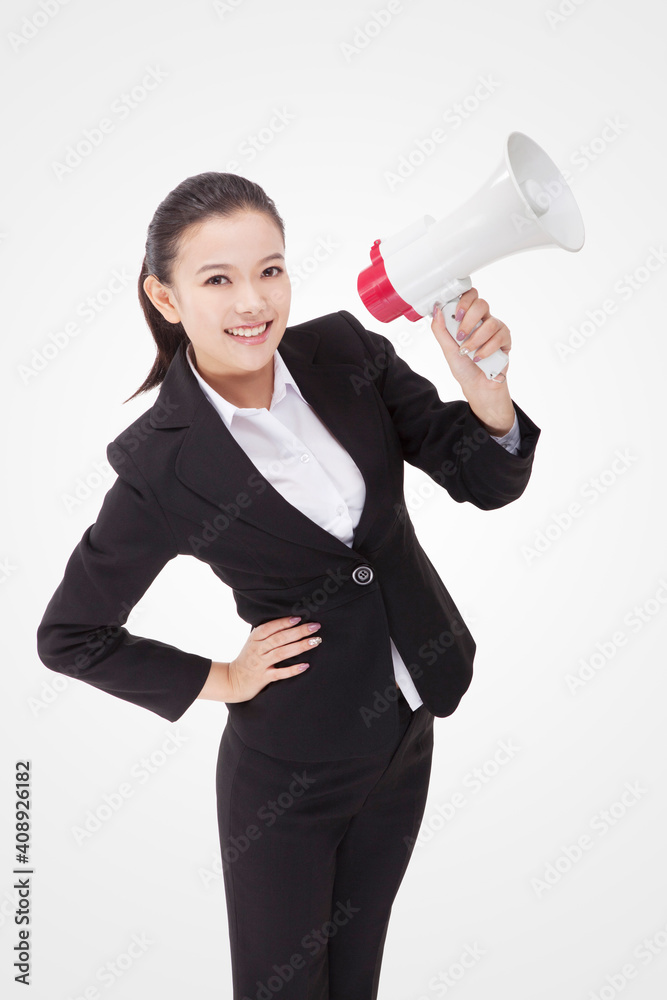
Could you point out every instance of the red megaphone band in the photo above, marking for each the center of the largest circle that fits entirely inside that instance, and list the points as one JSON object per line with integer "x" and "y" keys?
{"x": 379, "y": 295}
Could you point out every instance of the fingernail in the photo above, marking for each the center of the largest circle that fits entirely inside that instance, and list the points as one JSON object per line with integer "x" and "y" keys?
{"x": 313, "y": 626}
{"x": 460, "y": 313}
{"x": 460, "y": 335}
{"x": 314, "y": 642}
{"x": 477, "y": 358}
{"x": 294, "y": 620}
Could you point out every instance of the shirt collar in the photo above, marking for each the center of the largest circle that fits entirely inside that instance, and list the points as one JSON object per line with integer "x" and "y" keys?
{"x": 282, "y": 378}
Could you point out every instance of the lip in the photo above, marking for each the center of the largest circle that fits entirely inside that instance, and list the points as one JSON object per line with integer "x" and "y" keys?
{"x": 261, "y": 339}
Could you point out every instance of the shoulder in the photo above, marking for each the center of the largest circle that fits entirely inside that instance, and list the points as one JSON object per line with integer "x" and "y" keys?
{"x": 341, "y": 320}
{"x": 124, "y": 453}
{"x": 146, "y": 449}
{"x": 342, "y": 337}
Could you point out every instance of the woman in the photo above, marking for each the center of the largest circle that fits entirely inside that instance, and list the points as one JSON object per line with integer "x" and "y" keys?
{"x": 276, "y": 455}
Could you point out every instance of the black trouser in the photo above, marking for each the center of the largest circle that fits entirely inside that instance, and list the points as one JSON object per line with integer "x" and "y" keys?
{"x": 313, "y": 855}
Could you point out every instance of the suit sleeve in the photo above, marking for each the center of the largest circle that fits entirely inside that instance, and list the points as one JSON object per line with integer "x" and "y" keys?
{"x": 445, "y": 439}
{"x": 81, "y": 633}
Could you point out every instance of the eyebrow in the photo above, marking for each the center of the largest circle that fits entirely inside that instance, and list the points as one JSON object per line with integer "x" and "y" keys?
{"x": 230, "y": 267}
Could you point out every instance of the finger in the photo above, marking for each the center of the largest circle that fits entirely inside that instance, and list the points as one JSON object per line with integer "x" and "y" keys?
{"x": 282, "y": 651}
{"x": 493, "y": 344}
{"x": 476, "y": 313}
{"x": 449, "y": 345}
{"x": 289, "y": 637}
{"x": 280, "y": 673}
{"x": 466, "y": 300}
{"x": 270, "y": 628}
{"x": 442, "y": 314}
{"x": 490, "y": 327}
{"x": 455, "y": 306}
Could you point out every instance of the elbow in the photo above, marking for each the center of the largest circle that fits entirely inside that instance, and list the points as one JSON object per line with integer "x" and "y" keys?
{"x": 483, "y": 499}
{"x": 491, "y": 496}
{"x": 52, "y": 649}
{"x": 69, "y": 650}
{"x": 497, "y": 501}
{"x": 46, "y": 647}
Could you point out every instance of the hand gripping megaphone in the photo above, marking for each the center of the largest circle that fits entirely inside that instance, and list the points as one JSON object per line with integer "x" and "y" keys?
{"x": 525, "y": 205}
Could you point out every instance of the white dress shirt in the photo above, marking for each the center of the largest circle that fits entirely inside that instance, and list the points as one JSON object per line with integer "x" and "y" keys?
{"x": 303, "y": 461}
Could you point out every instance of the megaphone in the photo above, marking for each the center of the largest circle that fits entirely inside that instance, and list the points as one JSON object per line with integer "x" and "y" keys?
{"x": 525, "y": 205}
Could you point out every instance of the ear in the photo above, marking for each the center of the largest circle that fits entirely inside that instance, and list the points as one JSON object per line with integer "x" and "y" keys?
{"x": 162, "y": 298}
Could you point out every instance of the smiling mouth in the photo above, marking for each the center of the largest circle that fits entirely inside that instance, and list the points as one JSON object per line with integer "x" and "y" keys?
{"x": 249, "y": 332}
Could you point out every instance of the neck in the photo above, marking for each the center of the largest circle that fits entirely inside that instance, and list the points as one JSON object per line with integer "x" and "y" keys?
{"x": 252, "y": 390}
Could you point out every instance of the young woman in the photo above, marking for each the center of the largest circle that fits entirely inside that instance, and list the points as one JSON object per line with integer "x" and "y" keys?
{"x": 276, "y": 455}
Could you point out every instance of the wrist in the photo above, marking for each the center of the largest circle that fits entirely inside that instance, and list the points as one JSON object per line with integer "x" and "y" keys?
{"x": 217, "y": 686}
{"x": 497, "y": 414}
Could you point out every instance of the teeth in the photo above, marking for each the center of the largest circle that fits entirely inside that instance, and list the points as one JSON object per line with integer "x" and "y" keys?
{"x": 254, "y": 331}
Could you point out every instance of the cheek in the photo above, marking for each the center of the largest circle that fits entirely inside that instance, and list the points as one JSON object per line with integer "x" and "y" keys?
{"x": 282, "y": 297}
{"x": 208, "y": 310}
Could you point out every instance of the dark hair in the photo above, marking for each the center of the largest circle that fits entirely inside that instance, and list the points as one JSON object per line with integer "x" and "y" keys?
{"x": 193, "y": 201}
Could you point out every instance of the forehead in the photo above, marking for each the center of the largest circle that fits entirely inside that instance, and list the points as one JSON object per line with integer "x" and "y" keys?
{"x": 242, "y": 235}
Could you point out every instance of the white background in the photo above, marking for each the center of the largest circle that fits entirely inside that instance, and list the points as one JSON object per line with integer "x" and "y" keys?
{"x": 359, "y": 98}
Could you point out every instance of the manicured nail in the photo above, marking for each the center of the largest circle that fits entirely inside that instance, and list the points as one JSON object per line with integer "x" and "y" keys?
{"x": 460, "y": 313}
{"x": 302, "y": 666}
{"x": 313, "y": 625}
{"x": 314, "y": 642}
{"x": 478, "y": 358}
{"x": 294, "y": 620}
{"x": 460, "y": 335}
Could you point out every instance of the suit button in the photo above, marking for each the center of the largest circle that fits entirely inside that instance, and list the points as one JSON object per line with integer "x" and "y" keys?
{"x": 362, "y": 574}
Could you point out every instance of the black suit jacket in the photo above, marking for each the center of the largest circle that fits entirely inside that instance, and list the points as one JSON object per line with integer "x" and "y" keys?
{"x": 185, "y": 486}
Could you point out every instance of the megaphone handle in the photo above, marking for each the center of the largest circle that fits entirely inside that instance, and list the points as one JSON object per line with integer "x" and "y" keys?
{"x": 492, "y": 365}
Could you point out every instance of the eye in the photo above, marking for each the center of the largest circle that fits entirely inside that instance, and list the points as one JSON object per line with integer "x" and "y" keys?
{"x": 213, "y": 280}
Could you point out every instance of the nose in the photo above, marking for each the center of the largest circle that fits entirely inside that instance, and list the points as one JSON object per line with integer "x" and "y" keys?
{"x": 250, "y": 298}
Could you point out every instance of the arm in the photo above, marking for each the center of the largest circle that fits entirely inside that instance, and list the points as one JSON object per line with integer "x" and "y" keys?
{"x": 446, "y": 439}
{"x": 512, "y": 440}
{"x": 217, "y": 686}
{"x": 81, "y": 633}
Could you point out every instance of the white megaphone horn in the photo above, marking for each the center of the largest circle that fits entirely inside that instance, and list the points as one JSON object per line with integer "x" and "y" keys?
{"x": 525, "y": 205}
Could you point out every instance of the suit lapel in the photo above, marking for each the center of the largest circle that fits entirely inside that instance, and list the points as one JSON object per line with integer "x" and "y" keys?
{"x": 213, "y": 464}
